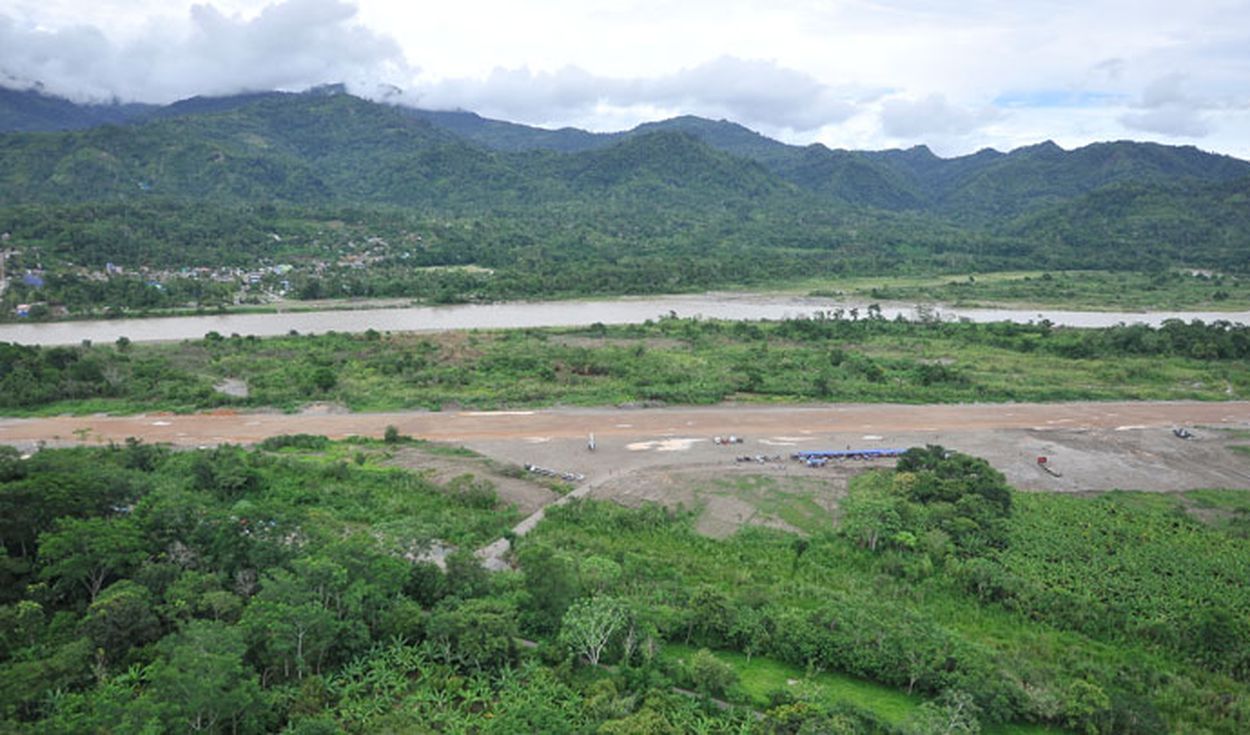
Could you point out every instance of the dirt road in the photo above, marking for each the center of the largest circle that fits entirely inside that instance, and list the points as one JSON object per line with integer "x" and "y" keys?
{"x": 1095, "y": 446}
{"x": 634, "y": 424}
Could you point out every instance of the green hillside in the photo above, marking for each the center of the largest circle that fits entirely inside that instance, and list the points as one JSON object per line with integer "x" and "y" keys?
{"x": 1203, "y": 224}
{"x": 979, "y": 186}
{"x": 28, "y": 110}
{"x": 312, "y": 149}
{"x": 322, "y": 178}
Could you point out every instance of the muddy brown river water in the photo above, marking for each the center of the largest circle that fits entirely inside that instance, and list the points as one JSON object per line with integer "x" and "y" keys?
{"x": 733, "y": 306}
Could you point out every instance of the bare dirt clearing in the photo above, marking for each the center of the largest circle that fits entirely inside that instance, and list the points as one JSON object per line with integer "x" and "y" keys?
{"x": 668, "y": 454}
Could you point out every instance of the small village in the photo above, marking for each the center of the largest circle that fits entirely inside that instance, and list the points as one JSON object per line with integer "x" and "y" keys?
{"x": 265, "y": 282}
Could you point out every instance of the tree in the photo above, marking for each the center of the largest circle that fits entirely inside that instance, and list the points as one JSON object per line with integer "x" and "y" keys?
{"x": 953, "y": 713}
{"x": 640, "y": 635}
{"x": 426, "y": 583}
{"x": 1217, "y": 639}
{"x": 870, "y": 515}
{"x": 476, "y": 634}
{"x": 323, "y": 379}
{"x": 589, "y": 625}
{"x": 599, "y": 573}
{"x": 11, "y": 464}
{"x": 799, "y": 546}
{"x": 87, "y": 551}
{"x": 288, "y": 627}
{"x": 120, "y": 619}
{"x": 200, "y": 594}
{"x": 711, "y": 615}
{"x": 202, "y": 683}
{"x": 751, "y": 631}
{"x": 551, "y": 580}
{"x": 224, "y": 471}
{"x": 924, "y": 652}
{"x": 710, "y": 676}
{"x": 1084, "y": 704}
{"x": 962, "y": 495}
{"x": 140, "y": 456}
{"x": 20, "y": 626}
{"x": 466, "y": 577}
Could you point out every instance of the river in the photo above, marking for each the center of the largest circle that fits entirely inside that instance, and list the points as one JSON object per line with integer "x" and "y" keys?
{"x": 629, "y": 310}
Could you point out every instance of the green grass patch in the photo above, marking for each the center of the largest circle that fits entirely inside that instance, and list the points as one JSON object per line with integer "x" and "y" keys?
{"x": 1232, "y": 500}
{"x": 761, "y": 676}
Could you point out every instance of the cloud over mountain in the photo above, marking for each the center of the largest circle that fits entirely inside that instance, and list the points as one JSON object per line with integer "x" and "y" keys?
{"x": 754, "y": 92}
{"x": 959, "y": 77}
{"x": 932, "y": 115}
{"x": 289, "y": 45}
{"x": 1167, "y": 107}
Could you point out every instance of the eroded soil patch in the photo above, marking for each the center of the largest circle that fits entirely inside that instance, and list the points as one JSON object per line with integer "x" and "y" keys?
{"x": 527, "y": 496}
{"x": 729, "y": 496}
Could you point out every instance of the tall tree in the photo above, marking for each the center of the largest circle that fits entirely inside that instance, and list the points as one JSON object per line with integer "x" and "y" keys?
{"x": 589, "y": 625}
{"x": 87, "y": 551}
{"x": 202, "y": 683}
{"x": 551, "y": 581}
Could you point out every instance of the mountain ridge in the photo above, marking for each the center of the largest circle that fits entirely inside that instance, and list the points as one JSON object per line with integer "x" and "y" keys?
{"x": 976, "y": 187}
{"x": 701, "y": 183}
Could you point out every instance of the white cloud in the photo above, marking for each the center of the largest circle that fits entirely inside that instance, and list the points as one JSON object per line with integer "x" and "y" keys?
{"x": 1172, "y": 121}
{"x": 913, "y": 119}
{"x": 790, "y": 68}
{"x": 1167, "y": 108}
{"x": 759, "y": 92}
{"x": 289, "y": 45}
{"x": 752, "y": 92}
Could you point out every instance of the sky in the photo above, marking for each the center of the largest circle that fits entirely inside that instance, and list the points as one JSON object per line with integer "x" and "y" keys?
{"x": 956, "y": 75}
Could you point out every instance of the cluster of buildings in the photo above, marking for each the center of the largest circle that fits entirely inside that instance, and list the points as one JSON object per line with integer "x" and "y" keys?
{"x": 267, "y": 281}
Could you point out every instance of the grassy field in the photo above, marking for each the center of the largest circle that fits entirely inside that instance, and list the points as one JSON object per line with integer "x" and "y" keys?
{"x": 674, "y": 361}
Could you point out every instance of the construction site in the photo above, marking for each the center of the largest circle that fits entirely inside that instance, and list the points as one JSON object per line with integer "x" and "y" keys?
{"x": 778, "y": 466}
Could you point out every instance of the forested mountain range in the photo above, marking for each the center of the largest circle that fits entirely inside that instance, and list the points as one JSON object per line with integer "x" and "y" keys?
{"x": 687, "y": 186}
